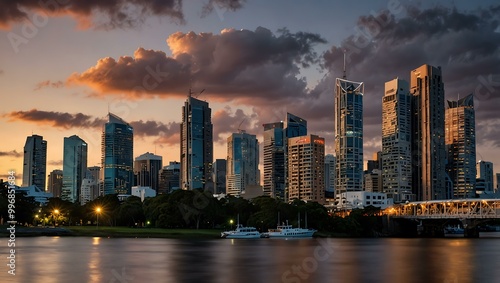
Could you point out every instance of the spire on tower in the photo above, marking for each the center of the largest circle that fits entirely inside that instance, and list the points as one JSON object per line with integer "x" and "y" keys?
{"x": 344, "y": 76}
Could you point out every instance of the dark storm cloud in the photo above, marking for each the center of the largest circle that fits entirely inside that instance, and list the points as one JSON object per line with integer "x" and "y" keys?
{"x": 55, "y": 162}
{"x": 56, "y": 119}
{"x": 12, "y": 153}
{"x": 48, "y": 83}
{"x": 105, "y": 13}
{"x": 226, "y": 121}
{"x": 67, "y": 121}
{"x": 222, "y": 6}
{"x": 237, "y": 65}
{"x": 384, "y": 46}
{"x": 116, "y": 13}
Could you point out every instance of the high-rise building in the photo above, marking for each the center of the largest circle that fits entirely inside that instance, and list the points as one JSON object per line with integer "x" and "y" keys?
{"x": 485, "y": 173}
{"x": 94, "y": 172}
{"x": 373, "y": 181}
{"x": 74, "y": 167}
{"x": 295, "y": 126}
{"x": 242, "y": 163}
{"x": 169, "y": 178}
{"x": 55, "y": 183}
{"x": 35, "y": 162}
{"x": 196, "y": 145}
{"x": 428, "y": 147}
{"x": 146, "y": 170}
{"x": 460, "y": 140}
{"x": 274, "y": 160}
{"x": 497, "y": 182}
{"x": 396, "y": 141}
{"x": 348, "y": 135}
{"x": 330, "y": 175}
{"x": 306, "y": 170}
{"x": 117, "y": 156}
{"x": 219, "y": 176}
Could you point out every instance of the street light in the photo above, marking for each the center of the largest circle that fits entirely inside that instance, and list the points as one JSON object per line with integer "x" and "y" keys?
{"x": 231, "y": 221}
{"x": 56, "y": 212}
{"x": 98, "y": 210}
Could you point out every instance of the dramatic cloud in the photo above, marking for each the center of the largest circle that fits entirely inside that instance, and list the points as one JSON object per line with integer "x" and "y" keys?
{"x": 48, "y": 83}
{"x": 226, "y": 122}
{"x": 465, "y": 44}
{"x": 56, "y": 119}
{"x": 63, "y": 120}
{"x": 104, "y": 13}
{"x": 55, "y": 162}
{"x": 12, "y": 153}
{"x": 237, "y": 65}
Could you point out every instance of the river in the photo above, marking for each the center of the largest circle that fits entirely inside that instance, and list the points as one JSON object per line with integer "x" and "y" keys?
{"x": 122, "y": 260}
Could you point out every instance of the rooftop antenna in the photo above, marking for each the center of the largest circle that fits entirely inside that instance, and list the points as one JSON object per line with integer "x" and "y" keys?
{"x": 344, "y": 76}
{"x": 198, "y": 94}
{"x": 239, "y": 130}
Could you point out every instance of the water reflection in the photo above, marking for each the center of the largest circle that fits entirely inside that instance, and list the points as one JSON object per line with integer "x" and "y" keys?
{"x": 68, "y": 259}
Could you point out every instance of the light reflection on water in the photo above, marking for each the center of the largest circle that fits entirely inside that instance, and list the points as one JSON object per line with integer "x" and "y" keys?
{"x": 120, "y": 260}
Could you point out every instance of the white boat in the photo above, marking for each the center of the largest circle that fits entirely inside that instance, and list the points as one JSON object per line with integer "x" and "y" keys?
{"x": 453, "y": 230}
{"x": 287, "y": 231}
{"x": 241, "y": 233}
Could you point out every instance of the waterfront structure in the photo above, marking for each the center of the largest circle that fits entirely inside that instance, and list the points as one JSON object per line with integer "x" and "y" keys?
{"x": 306, "y": 171}
{"x": 219, "y": 176}
{"x": 274, "y": 160}
{"x": 460, "y": 140}
{"x": 146, "y": 170}
{"x": 485, "y": 174}
{"x": 360, "y": 200}
{"x": 242, "y": 163}
{"x": 428, "y": 146}
{"x": 35, "y": 162}
{"x": 396, "y": 141}
{"x": 117, "y": 156}
{"x": 55, "y": 183}
{"x": 348, "y": 135}
{"x": 196, "y": 145}
{"x": 74, "y": 167}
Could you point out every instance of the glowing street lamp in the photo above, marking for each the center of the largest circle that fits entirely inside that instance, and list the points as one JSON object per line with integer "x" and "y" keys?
{"x": 98, "y": 210}
{"x": 56, "y": 213}
{"x": 231, "y": 221}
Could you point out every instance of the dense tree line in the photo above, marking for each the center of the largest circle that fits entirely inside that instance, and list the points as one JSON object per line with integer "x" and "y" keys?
{"x": 194, "y": 209}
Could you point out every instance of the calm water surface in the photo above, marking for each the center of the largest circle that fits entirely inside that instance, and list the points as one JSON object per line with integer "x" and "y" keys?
{"x": 122, "y": 260}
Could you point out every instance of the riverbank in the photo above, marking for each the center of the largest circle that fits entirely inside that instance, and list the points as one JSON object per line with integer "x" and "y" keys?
{"x": 114, "y": 232}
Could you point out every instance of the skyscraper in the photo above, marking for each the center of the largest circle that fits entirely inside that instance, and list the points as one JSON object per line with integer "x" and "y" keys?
{"x": 117, "y": 156}
{"x": 330, "y": 174}
{"x": 485, "y": 175}
{"x": 35, "y": 162}
{"x": 306, "y": 171}
{"x": 396, "y": 141}
{"x": 219, "y": 176}
{"x": 274, "y": 160}
{"x": 74, "y": 167}
{"x": 460, "y": 140}
{"x": 295, "y": 126}
{"x": 146, "y": 169}
{"x": 242, "y": 168}
{"x": 428, "y": 147}
{"x": 196, "y": 145}
{"x": 348, "y": 135}
{"x": 55, "y": 183}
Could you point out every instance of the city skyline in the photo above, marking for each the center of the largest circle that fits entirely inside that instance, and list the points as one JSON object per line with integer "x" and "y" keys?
{"x": 153, "y": 111}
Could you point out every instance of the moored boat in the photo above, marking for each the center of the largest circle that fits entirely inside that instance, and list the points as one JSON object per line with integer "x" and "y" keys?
{"x": 241, "y": 233}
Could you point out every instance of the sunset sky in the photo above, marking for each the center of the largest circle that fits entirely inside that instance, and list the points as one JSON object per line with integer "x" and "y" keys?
{"x": 62, "y": 67}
